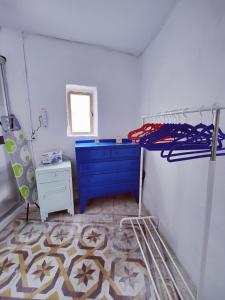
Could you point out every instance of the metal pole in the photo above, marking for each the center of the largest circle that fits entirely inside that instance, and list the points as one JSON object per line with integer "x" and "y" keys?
{"x": 208, "y": 207}
{"x": 215, "y": 134}
{"x": 141, "y": 177}
{"x": 141, "y": 182}
{"x": 182, "y": 111}
{"x": 4, "y": 84}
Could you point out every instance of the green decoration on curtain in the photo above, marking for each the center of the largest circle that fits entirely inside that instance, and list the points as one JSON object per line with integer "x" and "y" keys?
{"x": 17, "y": 148}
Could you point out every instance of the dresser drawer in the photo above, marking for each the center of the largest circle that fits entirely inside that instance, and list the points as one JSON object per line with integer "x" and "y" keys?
{"x": 109, "y": 167}
{"x": 107, "y": 179}
{"x": 91, "y": 155}
{"x": 115, "y": 188}
{"x": 52, "y": 176}
{"x": 132, "y": 152}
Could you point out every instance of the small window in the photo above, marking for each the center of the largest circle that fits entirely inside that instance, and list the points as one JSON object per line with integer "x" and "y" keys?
{"x": 82, "y": 111}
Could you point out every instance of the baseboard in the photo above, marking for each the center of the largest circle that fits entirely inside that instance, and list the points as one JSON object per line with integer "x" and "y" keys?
{"x": 11, "y": 216}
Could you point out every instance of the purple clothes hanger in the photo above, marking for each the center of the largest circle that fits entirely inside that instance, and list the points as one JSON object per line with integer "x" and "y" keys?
{"x": 170, "y": 159}
{"x": 191, "y": 145}
{"x": 190, "y": 142}
{"x": 194, "y": 143}
{"x": 152, "y": 141}
{"x": 185, "y": 131}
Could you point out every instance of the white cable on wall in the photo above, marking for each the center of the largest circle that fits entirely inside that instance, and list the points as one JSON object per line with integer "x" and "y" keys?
{"x": 28, "y": 98}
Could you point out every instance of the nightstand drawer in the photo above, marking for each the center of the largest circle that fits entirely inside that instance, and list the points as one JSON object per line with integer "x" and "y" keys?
{"x": 91, "y": 155}
{"x": 132, "y": 152}
{"x": 52, "y": 176}
{"x": 55, "y": 196}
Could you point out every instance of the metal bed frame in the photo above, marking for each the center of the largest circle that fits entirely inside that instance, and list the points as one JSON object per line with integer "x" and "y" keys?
{"x": 142, "y": 224}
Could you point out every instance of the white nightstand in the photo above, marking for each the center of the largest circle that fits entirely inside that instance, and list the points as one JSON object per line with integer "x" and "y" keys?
{"x": 55, "y": 191}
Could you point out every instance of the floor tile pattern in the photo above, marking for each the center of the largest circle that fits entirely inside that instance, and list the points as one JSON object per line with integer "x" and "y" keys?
{"x": 78, "y": 257}
{"x": 102, "y": 210}
{"x": 54, "y": 260}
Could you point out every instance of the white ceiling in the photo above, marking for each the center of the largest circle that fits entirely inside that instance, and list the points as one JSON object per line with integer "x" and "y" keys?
{"x": 123, "y": 25}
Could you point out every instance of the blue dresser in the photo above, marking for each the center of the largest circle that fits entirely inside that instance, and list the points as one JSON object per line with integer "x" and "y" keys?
{"x": 106, "y": 168}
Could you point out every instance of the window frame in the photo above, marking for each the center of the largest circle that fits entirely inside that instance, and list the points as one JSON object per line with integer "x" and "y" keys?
{"x": 82, "y": 90}
{"x": 91, "y": 132}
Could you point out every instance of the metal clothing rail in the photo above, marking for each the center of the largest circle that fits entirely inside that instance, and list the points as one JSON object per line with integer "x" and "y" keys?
{"x": 147, "y": 235}
{"x": 184, "y": 111}
{"x": 215, "y": 109}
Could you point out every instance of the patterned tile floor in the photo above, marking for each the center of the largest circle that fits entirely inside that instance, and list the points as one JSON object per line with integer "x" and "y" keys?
{"x": 80, "y": 257}
{"x": 106, "y": 210}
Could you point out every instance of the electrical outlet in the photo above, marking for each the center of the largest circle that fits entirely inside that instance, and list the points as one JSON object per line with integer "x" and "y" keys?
{"x": 43, "y": 118}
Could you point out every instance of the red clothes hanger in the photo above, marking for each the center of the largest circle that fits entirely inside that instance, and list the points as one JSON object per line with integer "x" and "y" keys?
{"x": 136, "y": 134}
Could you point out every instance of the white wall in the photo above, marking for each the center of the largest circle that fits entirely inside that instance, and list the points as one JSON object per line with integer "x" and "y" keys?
{"x": 184, "y": 67}
{"x": 52, "y": 64}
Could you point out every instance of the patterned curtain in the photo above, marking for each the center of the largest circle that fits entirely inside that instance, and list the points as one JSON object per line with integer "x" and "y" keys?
{"x": 20, "y": 157}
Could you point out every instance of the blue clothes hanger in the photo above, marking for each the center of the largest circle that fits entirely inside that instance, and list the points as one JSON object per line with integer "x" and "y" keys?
{"x": 151, "y": 141}
{"x": 177, "y": 132}
{"x": 197, "y": 154}
{"x": 202, "y": 128}
{"x": 192, "y": 141}
{"x": 192, "y": 148}
{"x": 194, "y": 145}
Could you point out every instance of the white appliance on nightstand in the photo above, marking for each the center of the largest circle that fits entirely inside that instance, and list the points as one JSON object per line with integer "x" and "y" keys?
{"x": 55, "y": 190}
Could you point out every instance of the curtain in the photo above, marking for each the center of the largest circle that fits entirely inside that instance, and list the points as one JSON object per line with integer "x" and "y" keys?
{"x": 20, "y": 157}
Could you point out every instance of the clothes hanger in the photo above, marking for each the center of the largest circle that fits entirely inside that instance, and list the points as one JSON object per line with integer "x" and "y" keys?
{"x": 195, "y": 155}
{"x": 196, "y": 150}
{"x": 200, "y": 137}
{"x": 205, "y": 130}
{"x": 192, "y": 143}
{"x": 154, "y": 141}
{"x": 175, "y": 131}
{"x": 138, "y": 133}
